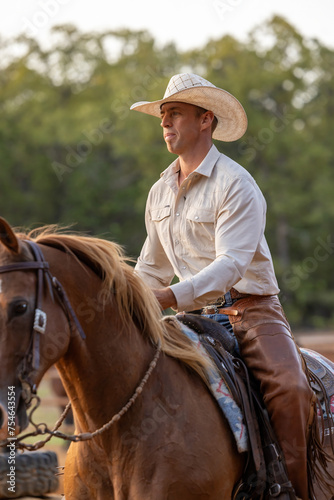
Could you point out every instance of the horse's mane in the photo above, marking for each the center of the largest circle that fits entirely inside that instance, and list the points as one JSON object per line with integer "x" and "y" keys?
{"x": 135, "y": 301}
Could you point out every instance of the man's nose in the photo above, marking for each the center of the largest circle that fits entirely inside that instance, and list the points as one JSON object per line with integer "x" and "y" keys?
{"x": 165, "y": 121}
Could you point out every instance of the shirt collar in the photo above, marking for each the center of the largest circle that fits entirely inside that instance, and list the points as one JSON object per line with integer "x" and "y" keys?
{"x": 204, "y": 168}
{"x": 171, "y": 170}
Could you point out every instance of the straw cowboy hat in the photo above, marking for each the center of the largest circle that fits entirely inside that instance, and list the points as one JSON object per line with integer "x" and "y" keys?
{"x": 193, "y": 89}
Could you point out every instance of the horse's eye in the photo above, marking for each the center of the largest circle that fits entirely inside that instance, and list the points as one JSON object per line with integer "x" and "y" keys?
{"x": 19, "y": 308}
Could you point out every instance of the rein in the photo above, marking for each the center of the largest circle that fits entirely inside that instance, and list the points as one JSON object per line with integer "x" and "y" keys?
{"x": 33, "y": 356}
{"x": 42, "y": 429}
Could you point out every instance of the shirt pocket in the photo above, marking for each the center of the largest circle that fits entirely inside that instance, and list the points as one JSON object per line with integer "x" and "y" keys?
{"x": 159, "y": 214}
{"x": 200, "y": 228}
{"x": 161, "y": 219}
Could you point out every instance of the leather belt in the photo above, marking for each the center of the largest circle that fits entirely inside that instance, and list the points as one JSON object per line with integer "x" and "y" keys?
{"x": 238, "y": 295}
{"x": 218, "y": 306}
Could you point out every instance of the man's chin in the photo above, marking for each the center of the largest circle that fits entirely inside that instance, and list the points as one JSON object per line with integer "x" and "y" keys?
{"x": 172, "y": 148}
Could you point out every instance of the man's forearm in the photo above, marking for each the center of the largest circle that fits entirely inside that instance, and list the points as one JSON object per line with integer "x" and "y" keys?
{"x": 165, "y": 297}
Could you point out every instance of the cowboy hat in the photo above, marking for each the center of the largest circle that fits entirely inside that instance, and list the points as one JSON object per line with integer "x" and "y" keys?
{"x": 193, "y": 89}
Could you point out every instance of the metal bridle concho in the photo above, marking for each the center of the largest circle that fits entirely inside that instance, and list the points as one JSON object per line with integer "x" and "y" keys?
{"x": 40, "y": 318}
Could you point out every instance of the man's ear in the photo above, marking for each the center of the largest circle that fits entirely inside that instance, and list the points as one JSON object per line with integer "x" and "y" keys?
{"x": 7, "y": 236}
{"x": 207, "y": 119}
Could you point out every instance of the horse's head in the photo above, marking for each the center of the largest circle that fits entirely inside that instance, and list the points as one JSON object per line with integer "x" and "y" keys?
{"x": 34, "y": 330}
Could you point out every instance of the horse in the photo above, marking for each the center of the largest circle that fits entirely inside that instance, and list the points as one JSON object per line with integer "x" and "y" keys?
{"x": 148, "y": 426}
{"x": 173, "y": 443}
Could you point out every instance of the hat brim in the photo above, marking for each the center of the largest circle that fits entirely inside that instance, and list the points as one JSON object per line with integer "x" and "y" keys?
{"x": 231, "y": 116}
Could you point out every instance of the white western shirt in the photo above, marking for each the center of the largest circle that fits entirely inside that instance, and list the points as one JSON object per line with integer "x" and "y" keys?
{"x": 209, "y": 232}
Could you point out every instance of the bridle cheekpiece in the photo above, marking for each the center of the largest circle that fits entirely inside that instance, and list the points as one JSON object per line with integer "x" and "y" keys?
{"x": 44, "y": 276}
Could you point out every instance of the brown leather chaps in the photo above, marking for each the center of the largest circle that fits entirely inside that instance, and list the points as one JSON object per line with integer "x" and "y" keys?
{"x": 269, "y": 350}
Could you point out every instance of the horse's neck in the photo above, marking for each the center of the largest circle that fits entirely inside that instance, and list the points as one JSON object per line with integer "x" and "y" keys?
{"x": 101, "y": 373}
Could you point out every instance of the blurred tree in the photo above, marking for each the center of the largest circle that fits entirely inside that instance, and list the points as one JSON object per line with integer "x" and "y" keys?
{"x": 72, "y": 152}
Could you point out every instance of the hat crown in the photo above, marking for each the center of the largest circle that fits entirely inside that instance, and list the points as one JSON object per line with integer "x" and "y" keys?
{"x": 185, "y": 81}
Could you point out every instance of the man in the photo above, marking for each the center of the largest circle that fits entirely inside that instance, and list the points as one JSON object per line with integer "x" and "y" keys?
{"x": 205, "y": 220}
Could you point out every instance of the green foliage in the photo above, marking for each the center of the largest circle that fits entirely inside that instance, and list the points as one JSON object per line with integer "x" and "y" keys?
{"x": 71, "y": 151}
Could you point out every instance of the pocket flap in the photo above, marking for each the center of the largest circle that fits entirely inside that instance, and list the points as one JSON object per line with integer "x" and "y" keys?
{"x": 158, "y": 214}
{"x": 200, "y": 215}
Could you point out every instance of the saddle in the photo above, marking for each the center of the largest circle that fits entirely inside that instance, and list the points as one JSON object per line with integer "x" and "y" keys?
{"x": 265, "y": 476}
{"x": 322, "y": 383}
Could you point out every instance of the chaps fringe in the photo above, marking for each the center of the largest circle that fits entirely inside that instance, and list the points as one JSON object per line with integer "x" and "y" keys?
{"x": 318, "y": 458}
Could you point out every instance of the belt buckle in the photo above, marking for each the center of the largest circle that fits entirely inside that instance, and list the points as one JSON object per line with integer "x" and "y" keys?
{"x": 213, "y": 308}
{"x": 210, "y": 310}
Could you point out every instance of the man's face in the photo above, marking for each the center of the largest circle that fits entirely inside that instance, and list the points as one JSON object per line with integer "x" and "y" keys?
{"x": 181, "y": 125}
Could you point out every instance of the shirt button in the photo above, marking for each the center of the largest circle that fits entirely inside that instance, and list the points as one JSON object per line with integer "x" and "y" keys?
{"x": 196, "y": 218}
{"x": 177, "y": 214}
{"x": 184, "y": 267}
{"x": 177, "y": 242}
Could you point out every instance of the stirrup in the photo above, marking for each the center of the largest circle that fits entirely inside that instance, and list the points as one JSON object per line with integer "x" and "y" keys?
{"x": 282, "y": 491}
{"x": 281, "y": 487}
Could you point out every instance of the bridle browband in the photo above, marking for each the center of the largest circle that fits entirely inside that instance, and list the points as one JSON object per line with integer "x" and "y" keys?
{"x": 44, "y": 276}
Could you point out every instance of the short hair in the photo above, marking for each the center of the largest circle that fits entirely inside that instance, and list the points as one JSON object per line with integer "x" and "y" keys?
{"x": 200, "y": 111}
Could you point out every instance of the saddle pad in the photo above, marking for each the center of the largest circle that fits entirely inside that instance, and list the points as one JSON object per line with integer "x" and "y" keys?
{"x": 223, "y": 396}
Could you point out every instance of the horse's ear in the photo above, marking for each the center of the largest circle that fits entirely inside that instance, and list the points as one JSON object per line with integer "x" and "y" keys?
{"x": 7, "y": 236}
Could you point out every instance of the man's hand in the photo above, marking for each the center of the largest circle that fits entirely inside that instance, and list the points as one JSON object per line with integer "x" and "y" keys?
{"x": 165, "y": 297}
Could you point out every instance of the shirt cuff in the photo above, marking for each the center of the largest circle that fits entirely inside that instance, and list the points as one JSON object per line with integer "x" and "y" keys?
{"x": 184, "y": 294}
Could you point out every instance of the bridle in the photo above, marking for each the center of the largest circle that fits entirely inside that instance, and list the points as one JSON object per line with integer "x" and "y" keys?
{"x": 31, "y": 360}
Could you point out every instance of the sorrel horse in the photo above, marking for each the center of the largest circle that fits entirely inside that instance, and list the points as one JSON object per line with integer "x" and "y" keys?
{"x": 134, "y": 382}
{"x": 173, "y": 442}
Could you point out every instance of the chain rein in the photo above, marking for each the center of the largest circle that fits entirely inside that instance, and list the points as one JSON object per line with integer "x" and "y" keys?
{"x": 31, "y": 398}
{"x": 42, "y": 429}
